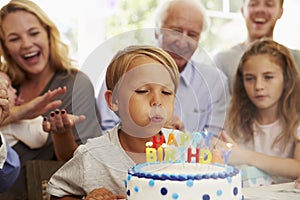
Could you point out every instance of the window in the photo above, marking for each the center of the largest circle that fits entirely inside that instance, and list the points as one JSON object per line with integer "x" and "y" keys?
{"x": 87, "y": 24}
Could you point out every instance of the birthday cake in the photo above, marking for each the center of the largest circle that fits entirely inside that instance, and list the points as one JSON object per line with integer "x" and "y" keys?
{"x": 184, "y": 168}
{"x": 171, "y": 181}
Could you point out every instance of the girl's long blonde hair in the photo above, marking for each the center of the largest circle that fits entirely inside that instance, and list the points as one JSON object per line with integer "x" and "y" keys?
{"x": 59, "y": 52}
{"x": 242, "y": 112}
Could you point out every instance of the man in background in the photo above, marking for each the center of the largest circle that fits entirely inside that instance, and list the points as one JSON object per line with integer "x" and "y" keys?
{"x": 260, "y": 19}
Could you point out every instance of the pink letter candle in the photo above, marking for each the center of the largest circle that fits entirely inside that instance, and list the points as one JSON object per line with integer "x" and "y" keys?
{"x": 195, "y": 155}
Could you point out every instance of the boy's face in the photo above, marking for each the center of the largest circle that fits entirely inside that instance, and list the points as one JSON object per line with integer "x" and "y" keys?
{"x": 146, "y": 98}
{"x": 12, "y": 97}
{"x": 261, "y": 16}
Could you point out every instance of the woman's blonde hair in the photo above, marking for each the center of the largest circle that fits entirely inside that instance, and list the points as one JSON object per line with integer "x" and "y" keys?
{"x": 242, "y": 111}
{"x": 122, "y": 60}
{"x": 59, "y": 52}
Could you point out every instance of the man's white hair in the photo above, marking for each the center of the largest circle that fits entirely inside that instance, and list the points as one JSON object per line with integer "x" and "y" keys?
{"x": 161, "y": 12}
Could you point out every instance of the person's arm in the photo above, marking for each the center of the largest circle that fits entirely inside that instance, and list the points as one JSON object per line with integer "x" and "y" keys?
{"x": 65, "y": 198}
{"x": 60, "y": 126}
{"x": 4, "y": 104}
{"x": 35, "y": 107}
{"x": 10, "y": 167}
{"x": 30, "y": 132}
{"x": 9, "y": 159}
{"x": 287, "y": 167}
{"x": 98, "y": 193}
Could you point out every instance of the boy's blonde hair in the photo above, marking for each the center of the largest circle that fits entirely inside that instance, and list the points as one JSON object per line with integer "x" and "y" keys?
{"x": 242, "y": 111}
{"x": 122, "y": 60}
{"x": 59, "y": 52}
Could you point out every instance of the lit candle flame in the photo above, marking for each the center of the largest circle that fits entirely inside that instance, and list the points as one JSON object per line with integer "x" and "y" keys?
{"x": 229, "y": 145}
{"x": 149, "y": 144}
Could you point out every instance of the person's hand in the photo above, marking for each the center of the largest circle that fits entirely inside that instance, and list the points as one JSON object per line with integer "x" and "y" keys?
{"x": 297, "y": 183}
{"x": 4, "y": 103}
{"x": 103, "y": 194}
{"x": 222, "y": 143}
{"x": 175, "y": 123}
{"x": 37, "y": 106}
{"x": 60, "y": 121}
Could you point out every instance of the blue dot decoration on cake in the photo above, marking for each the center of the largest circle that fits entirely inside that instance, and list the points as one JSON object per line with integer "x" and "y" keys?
{"x": 125, "y": 183}
{"x": 175, "y": 196}
{"x": 235, "y": 191}
{"x": 128, "y": 193}
{"x": 164, "y": 191}
{"x": 206, "y": 197}
{"x": 136, "y": 189}
{"x": 190, "y": 183}
{"x": 229, "y": 179}
{"x": 219, "y": 192}
{"x": 151, "y": 183}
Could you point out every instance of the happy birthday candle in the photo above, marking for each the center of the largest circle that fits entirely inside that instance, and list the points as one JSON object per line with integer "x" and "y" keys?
{"x": 157, "y": 141}
{"x": 195, "y": 155}
{"x": 184, "y": 139}
{"x": 160, "y": 153}
{"x": 207, "y": 136}
{"x": 217, "y": 157}
{"x": 172, "y": 140}
{"x": 205, "y": 156}
{"x": 197, "y": 137}
{"x": 226, "y": 154}
{"x": 150, "y": 153}
{"x": 170, "y": 154}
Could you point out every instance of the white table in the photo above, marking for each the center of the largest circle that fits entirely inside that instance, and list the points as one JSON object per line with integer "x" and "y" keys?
{"x": 285, "y": 191}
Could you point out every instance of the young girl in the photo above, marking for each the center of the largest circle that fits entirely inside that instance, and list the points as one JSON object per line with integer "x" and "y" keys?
{"x": 141, "y": 83}
{"x": 264, "y": 118}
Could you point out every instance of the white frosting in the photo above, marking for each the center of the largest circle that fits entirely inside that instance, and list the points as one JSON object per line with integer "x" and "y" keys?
{"x": 182, "y": 168}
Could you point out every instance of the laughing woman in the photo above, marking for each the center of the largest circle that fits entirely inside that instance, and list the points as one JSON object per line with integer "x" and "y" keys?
{"x": 39, "y": 61}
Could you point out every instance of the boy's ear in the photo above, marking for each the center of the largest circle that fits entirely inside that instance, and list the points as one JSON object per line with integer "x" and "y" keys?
{"x": 109, "y": 100}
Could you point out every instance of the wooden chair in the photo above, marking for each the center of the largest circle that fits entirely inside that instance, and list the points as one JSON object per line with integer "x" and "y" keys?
{"x": 38, "y": 173}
